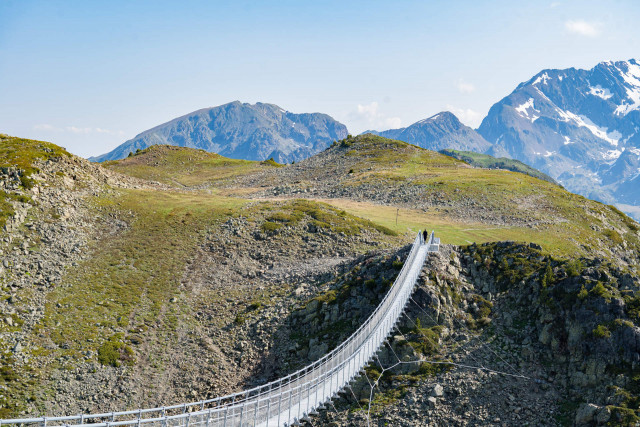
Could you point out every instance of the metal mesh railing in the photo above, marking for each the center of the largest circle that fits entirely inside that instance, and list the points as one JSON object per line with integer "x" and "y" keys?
{"x": 287, "y": 400}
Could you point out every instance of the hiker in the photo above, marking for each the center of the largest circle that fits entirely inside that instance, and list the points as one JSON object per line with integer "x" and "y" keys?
{"x": 425, "y": 236}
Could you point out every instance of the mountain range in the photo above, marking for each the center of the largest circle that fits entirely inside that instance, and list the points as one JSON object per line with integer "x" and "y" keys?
{"x": 580, "y": 127}
{"x": 241, "y": 131}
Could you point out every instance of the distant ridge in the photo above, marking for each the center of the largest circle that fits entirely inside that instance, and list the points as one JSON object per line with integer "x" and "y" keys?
{"x": 241, "y": 131}
{"x": 440, "y": 131}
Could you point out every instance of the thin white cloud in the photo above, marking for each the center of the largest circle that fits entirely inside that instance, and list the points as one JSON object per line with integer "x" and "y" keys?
{"x": 47, "y": 127}
{"x": 583, "y": 28}
{"x": 75, "y": 129}
{"x": 109, "y": 132}
{"x": 369, "y": 117}
{"x": 467, "y": 116}
{"x": 465, "y": 87}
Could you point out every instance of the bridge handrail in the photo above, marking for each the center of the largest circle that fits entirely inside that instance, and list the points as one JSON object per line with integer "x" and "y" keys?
{"x": 275, "y": 388}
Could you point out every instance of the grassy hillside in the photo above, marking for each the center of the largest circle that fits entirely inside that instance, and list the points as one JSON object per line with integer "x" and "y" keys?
{"x": 119, "y": 289}
{"x": 185, "y": 167}
{"x": 405, "y": 187}
{"x": 489, "y": 162}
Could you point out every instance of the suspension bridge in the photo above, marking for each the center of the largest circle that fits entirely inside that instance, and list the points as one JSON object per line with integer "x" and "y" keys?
{"x": 288, "y": 400}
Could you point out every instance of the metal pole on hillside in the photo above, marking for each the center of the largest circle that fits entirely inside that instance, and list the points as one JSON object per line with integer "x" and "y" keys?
{"x": 397, "y": 211}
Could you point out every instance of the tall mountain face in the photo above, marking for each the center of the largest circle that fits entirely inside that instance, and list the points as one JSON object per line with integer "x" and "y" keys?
{"x": 242, "y": 131}
{"x": 438, "y": 132}
{"x": 579, "y": 126}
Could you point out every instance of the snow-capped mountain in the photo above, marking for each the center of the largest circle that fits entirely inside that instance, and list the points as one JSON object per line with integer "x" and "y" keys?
{"x": 242, "y": 131}
{"x": 438, "y": 132}
{"x": 582, "y": 127}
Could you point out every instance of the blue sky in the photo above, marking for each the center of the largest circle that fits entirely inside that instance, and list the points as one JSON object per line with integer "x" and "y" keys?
{"x": 89, "y": 75}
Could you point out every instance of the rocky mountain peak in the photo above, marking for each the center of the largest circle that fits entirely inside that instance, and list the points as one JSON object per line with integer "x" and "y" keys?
{"x": 242, "y": 131}
{"x": 440, "y": 131}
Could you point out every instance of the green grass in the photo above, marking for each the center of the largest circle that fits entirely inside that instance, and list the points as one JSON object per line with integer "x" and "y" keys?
{"x": 133, "y": 277}
{"x": 184, "y": 166}
{"x": 562, "y": 221}
{"x": 322, "y": 216}
{"x": 128, "y": 281}
{"x": 559, "y": 221}
{"x": 24, "y": 153}
{"x": 489, "y": 162}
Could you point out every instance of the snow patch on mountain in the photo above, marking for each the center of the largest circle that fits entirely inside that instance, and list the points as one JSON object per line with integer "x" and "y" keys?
{"x": 632, "y": 79}
{"x": 429, "y": 119}
{"x": 600, "y": 92}
{"x": 523, "y": 110}
{"x": 583, "y": 121}
{"x": 543, "y": 78}
{"x": 612, "y": 154}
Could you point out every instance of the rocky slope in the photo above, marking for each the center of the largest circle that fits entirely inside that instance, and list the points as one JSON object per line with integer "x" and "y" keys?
{"x": 498, "y": 334}
{"x": 119, "y": 291}
{"x": 241, "y": 131}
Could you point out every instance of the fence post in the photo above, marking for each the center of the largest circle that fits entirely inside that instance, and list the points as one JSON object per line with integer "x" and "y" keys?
{"x": 290, "y": 398}
{"x": 226, "y": 413}
{"x": 299, "y": 402}
{"x": 268, "y": 410}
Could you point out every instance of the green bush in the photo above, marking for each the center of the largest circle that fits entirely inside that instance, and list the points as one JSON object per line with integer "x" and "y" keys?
{"x": 614, "y": 236}
{"x": 114, "y": 351}
{"x": 239, "y": 320}
{"x": 548, "y": 277}
{"x": 574, "y": 267}
{"x": 271, "y": 227}
{"x": 582, "y": 294}
{"x": 484, "y": 306}
{"x": 601, "y": 331}
{"x": 601, "y": 290}
{"x": 270, "y": 162}
{"x": 254, "y": 306}
{"x": 26, "y": 182}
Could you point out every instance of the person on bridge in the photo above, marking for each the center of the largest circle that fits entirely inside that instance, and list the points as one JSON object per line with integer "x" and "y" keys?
{"x": 425, "y": 236}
